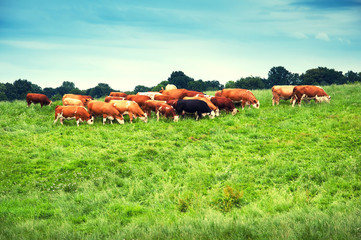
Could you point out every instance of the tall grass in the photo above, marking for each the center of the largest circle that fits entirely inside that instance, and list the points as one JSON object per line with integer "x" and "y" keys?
{"x": 269, "y": 173}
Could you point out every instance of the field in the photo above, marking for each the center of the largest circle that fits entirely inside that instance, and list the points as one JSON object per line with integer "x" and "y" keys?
{"x": 269, "y": 173}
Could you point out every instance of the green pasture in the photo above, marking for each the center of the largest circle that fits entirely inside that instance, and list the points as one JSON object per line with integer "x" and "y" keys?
{"x": 270, "y": 173}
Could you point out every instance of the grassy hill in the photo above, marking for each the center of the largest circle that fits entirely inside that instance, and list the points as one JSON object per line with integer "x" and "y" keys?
{"x": 269, "y": 173}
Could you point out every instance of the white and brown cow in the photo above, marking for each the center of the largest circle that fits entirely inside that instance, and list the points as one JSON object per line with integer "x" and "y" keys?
{"x": 309, "y": 92}
{"x": 131, "y": 108}
{"x": 107, "y": 110}
{"x": 80, "y": 114}
{"x": 281, "y": 92}
{"x": 239, "y": 96}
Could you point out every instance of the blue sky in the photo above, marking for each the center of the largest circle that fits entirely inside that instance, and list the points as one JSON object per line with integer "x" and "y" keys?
{"x": 128, "y": 43}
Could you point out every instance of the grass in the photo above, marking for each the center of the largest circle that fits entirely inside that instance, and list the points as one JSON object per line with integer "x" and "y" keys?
{"x": 269, "y": 173}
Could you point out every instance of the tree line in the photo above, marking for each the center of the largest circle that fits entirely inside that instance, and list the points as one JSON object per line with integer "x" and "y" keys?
{"x": 276, "y": 76}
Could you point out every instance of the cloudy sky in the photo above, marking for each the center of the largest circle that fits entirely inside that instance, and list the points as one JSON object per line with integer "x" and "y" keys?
{"x": 136, "y": 42}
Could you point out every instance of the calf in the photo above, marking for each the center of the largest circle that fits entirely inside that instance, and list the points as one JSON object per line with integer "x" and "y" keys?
{"x": 80, "y": 114}
{"x": 237, "y": 95}
{"x": 224, "y": 103}
{"x": 107, "y": 110}
{"x": 37, "y": 98}
{"x": 197, "y": 107}
{"x": 166, "y": 110}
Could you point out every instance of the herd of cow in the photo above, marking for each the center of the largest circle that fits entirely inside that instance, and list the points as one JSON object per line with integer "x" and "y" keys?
{"x": 169, "y": 103}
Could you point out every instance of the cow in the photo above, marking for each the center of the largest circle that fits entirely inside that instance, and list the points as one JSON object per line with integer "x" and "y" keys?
{"x": 170, "y": 86}
{"x": 83, "y": 98}
{"x": 117, "y": 94}
{"x": 195, "y": 106}
{"x": 166, "y": 110}
{"x": 239, "y": 96}
{"x": 109, "y": 98}
{"x": 307, "y": 93}
{"x": 37, "y": 98}
{"x": 72, "y": 102}
{"x": 281, "y": 92}
{"x": 151, "y": 105}
{"x": 131, "y": 108}
{"x": 107, "y": 110}
{"x": 80, "y": 114}
{"x": 172, "y": 102}
{"x": 140, "y": 99}
{"x": 180, "y": 93}
{"x": 162, "y": 97}
{"x": 149, "y": 94}
{"x": 224, "y": 103}
{"x": 209, "y": 103}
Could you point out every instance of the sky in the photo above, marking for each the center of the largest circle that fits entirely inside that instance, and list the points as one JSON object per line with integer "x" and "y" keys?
{"x": 136, "y": 42}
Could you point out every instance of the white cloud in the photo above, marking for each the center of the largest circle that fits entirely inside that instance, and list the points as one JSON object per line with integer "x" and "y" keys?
{"x": 322, "y": 36}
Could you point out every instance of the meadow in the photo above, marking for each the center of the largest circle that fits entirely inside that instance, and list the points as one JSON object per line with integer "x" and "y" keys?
{"x": 271, "y": 173}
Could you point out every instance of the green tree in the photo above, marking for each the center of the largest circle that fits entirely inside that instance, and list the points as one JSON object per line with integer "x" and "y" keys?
{"x": 101, "y": 90}
{"x": 141, "y": 88}
{"x": 278, "y": 76}
{"x": 179, "y": 79}
{"x": 198, "y": 85}
{"x": 230, "y": 84}
{"x": 10, "y": 91}
{"x": 3, "y": 96}
{"x": 322, "y": 76}
{"x": 250, "y": 83}
{"x": 352, "y": 77}
{"x": 65, "y": 88}
{"x": 160, "y": 85}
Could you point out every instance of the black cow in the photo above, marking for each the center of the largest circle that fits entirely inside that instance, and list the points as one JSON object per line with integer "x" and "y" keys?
{"x": 198, "y": 107}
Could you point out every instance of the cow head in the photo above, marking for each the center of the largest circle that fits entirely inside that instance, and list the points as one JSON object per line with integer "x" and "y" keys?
{"x": 255, "y": 104}
{"x": 235, "y": 111}
{"x": 176, "y": 118}
{"x": 323, "y": 99}
{"x": 91, "y": 120}
{"x": 145, "y": 118}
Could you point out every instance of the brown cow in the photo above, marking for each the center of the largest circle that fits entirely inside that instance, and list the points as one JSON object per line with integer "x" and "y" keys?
{"x": 109, "y": 98}
{"x": 180, "y": 93}
{"x": 83, "y": 98}
{"x": 281, "y": 92}
{"x": 72, "y": 102}
{"x": 140, "y": 99}
{"x": 307, "y": 93}
{"x": 167, "y": 110}
{"x": 209, "y": 103}
{"x": 237, "y": 95}
{"x": 132, "y": 108}
{"x": 151, "y": 105}
{"x": 107, "y": 110}
{"x": 162, "y": 97}
{"x": 80, "y": 114}
{"x": 117, "y": 94}
{"x": 37, "y": 98}
{"x": 224, "y": 103}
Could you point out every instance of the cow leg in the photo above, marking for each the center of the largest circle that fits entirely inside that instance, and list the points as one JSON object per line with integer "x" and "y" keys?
{"x": 157, "y": 115}
{"x": 77, "y": 122}
{"x": 56, "y": 118}
{"x": 62, "y": 121}
{"x": 104, "y": 118}
{"x": 130, "y": 116}
{"x": 29, "y": 103}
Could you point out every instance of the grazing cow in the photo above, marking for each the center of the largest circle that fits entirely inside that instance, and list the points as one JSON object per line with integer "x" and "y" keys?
{"x": 118, "y": 94}
{"x": 237, "y": 95}
{"x": 307, "y": 93}
{"x": 72, "y": 102}
{"x": 107, "y": 110}
{"x": 83, "y": 98}
{"x": 209, "y": 103}
{"x": 131, "y": 108}
{"x": 162, "y": 97}
{"x": 109, "y": 98}
{"x": 172, "y": 102}
{"x": 151, "y": 105}
{"x": 149, "y": 94}
{"x": 166, "y": 110}
{"x": 140, "y": 99}
{"x": 37, "y": 98}
{"x": 281, "y": 92}
{"x": 195, "y": 106}
{"x": 80, "y": 114}
{"x": 224, "y": 103}
{"x": 181, "y": 93}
